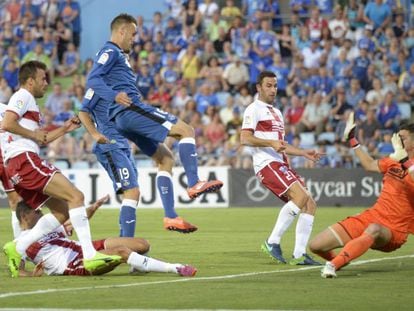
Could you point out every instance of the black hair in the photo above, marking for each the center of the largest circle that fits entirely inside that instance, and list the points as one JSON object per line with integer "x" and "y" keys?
{"x": 122, "y": 19}
{"x": 265, "y": 74}
{"x": 29, "y": 70}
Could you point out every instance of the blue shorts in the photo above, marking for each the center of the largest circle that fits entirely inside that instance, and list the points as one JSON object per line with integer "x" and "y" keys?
{"x": 120, "y": 166}
{"x": 145, "y": 124}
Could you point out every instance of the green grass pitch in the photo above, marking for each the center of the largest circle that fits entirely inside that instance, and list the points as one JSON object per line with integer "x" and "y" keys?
{"x": 232, "y": 271}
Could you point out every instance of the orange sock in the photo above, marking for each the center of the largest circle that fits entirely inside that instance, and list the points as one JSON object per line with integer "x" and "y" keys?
{"x": 329, "y": 255}
{"x": 353, "y": 249}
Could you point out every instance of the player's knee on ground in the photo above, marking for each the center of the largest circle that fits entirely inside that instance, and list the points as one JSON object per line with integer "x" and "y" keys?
{"x": 374, "y": 230}
{"x": 315, "y": 245}
{"x": 144, "y": 247}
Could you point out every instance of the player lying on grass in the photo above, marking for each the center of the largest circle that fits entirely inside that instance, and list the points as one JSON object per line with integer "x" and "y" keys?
{"x": 386, "y": 225}
{"x": 56, "y": 254}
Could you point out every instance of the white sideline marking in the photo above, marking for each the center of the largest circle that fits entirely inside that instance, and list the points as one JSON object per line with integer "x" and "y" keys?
{"x": 181, "y": 280}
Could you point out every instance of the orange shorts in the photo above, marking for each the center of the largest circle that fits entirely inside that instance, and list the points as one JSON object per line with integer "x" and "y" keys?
{"x": 356, "y": 225}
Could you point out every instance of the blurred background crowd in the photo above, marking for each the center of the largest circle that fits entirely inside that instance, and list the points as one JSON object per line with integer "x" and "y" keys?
{"x": 199, "y": 59}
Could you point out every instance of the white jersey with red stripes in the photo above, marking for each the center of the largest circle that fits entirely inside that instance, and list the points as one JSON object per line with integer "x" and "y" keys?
{"x": 266, "y": 122}
{"x": 55, "y": 251}
{"x": 24, "y": 105}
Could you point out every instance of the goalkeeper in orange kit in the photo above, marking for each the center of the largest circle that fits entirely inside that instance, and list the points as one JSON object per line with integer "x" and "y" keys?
{"x": 386, "y": 225}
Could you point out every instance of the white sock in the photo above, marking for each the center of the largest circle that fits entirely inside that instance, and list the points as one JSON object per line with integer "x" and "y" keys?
{"x": 148, "y": 264}
{"x": 303, "y": 232}
{"x": 45, "y": 225}
{"x": 286, "y": 216}
{"x": 80, "y": 223}
{"x": 130, "y": 203}
{"x": 15, "y": 225}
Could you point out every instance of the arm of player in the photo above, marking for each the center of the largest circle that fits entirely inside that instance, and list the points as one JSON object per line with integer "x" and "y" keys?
{"x": 248, "y": 139}
{"x": 91, "y": 128}
{"x": 37, "y": 271}
{"x": 69, "y": 126}
{"x": 96, "y": 80}
{"x": 310, "y": 154}
{"x": 10, "y": 123}
{"x": 367, "y": 162}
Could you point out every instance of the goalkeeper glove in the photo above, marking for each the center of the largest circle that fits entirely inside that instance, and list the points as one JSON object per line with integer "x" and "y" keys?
{"x": 349, "y": 132}
{"x": 400, "y": 154}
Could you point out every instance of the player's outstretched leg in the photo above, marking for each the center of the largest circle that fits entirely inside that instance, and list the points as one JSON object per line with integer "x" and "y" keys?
{"x": 188, "y": 156}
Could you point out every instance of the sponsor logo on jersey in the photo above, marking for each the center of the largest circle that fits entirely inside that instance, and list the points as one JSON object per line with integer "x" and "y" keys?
{"x": 103, "y": 58}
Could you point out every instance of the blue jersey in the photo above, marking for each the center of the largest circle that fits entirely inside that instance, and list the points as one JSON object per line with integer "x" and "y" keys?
{"x": 111, "y": 73}
{"x": 98, "y": 110}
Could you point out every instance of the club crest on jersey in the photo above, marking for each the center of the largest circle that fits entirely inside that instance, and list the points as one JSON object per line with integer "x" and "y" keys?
{"x": 89, "y": 94}
{"x": 19, "y": 104}
{"x": 103, "y": 58}
{"x": 247, "y": 119}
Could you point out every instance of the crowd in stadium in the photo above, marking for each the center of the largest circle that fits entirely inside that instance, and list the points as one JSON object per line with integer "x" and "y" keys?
{"x": 200, "y": 60}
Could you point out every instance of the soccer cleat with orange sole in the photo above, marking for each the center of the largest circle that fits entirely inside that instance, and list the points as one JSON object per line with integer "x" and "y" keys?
{"x": 186, "y": 270}
{"x": 204, "y": 187}
{"x": 178, "y": 224}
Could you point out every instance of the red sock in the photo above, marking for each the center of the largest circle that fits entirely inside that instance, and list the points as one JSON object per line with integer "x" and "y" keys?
{"x": 353, "y": 249}
{"x": 329, "y": 255}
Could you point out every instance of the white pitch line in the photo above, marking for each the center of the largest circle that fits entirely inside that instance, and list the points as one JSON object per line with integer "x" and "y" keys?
{"x": 181, "y": 280}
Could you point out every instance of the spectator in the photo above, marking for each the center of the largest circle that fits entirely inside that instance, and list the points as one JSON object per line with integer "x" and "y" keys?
{"x": 377, "y": 14}
{"x": 11, "y": 74}
{"x": 286, "y": 43}
{"x": 300, "y": 7}
{"x": 215, "y": 132}
{"x": 49, "y": 45}
{"x": 63, "y": 35}
{"x": 39, "y": 29}
{"x": 205, "y": 98}
{"x": 13, "y": 8}
{"x": 190, "y": 66}
{"x": 207, "y": 9}
{"x": 55, "y": 101}
{"x": 314, "y": 116}
{"x": 316, "y": 24}
{"x": 12, "y": 54}
{"x": 265, "y": 43}
{"x": 145, "y": 82}
{"x": 175, "y": 8}
{"x": 388, "y": 113}
{"x": 243, "y": 99}
{"x": 293, "y": 113}
{"x": 375, "y": 96}
{"x": 7, "y": 35}
{"x": 236, "y": 74}
{"x": 180, "y": 99}
{"x": 400, "y": 27}
{"x": 212, "y": 29}
{"x": 230, "y": 11}
{"x": 157, "y": 26}
{"x": 26, "y": 45}
{"x": 191, "y": 16}
{"x": 172, "y": 31}
{"x": 369, "y": 130}
{"x": 143, "y": 34}
{"x": 70, "y": 62}
{"x": 50, "y": 10}
{"x": 339, "y": 107}
{"x": 5, "y": 91}
{"x": 312, "y": 55}
{"x": 360, "y": 66}
{"x": 226, "y": 112}
{"x": 69, "y": 11}
{"x": 30, "y": 11}
{"x": 354, "y": 94}
{"x": 38, "y": 54}
{"x": 282, "y": 72}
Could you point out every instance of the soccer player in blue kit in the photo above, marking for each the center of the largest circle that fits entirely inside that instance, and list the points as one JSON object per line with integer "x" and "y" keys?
{"x": 114, "y": 154}
{"x": 113, "y": 80}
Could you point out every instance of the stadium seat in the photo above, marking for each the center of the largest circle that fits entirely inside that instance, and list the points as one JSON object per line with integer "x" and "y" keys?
{"x": 326, "y": 136}
{"x": 405, "y": 109}
{"x": 307, "y": 139}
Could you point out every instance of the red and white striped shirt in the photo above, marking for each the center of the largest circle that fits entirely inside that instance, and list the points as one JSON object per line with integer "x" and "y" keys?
{"x": 266, "y": 122}
{"x": 24, "y": 105}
